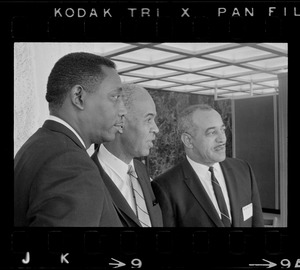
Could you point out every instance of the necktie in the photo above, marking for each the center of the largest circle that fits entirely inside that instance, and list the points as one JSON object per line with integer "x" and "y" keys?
{"x": 141, "y": 209}
{"x": 220, "y": 199}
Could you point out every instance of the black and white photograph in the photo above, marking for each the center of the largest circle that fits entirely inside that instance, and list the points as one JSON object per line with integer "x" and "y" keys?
{"x": 171, "y": 134}
{"x": 150, "y": 135}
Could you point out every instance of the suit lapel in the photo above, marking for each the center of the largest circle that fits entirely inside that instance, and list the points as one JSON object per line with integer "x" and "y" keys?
{"x": 197, "y": 189}
{"x": 115, "y": 193}
{"x": 232, "y": 189}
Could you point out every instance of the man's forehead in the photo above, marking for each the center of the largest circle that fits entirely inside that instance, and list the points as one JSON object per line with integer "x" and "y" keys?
{"x": 145, "y": 108}
{"x": 207, "y": 118}
{"x": 138, "y": 111}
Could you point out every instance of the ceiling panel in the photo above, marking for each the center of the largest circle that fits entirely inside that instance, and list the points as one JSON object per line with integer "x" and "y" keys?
{"x": 239, "y": 54}
{"x": 156, "y": 84}
{"x": 257, "y": 77}
{"x": 146, "y": 56}
{"x": 224, "y": 70}
{"x": 185, "y": 88}
{"x": 242, "y": 87}
{"x": 219, "y": 83}
{"x": 228, "y": 71}
{"x": 280, "y": 47}
{"x": 152, "y": 72}
{"x": 273, "y": 83}
{"x": 192, "y": 64}
{"x": 195, "y": 48}
{"x": 187, "y": 78}
{"x": 270, "y": 64}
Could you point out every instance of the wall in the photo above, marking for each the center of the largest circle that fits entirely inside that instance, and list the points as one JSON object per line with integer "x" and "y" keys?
{"x": 32, "y": 65}
{"x": 256, "y": 141}
{"x": 25, "y": 108}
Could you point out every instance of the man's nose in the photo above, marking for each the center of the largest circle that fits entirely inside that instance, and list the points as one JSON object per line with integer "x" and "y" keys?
{"x": 221, "y": 136}
{"x": 122, "y": 109}
{"x": 155, "y": 128}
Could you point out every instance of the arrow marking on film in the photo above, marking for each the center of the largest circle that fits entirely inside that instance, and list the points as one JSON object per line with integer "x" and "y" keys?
{"x": 268, "y": 265}
{"x": 117, "y": 264}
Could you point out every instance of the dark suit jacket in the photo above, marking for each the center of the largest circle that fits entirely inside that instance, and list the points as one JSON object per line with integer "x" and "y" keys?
{"x": 185, "y": 203}
{"x": 127, "y": 216}
{"x": 57, "y": 183}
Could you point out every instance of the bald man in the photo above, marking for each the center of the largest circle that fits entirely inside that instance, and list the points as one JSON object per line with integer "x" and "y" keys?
{"x": 132, "y": 192}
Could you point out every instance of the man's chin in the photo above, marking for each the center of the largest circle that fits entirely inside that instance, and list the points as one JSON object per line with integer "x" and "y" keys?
{"x": 219, "y": 157}
{"x": 144, "y": 153}
{"x": 107, "y": 137}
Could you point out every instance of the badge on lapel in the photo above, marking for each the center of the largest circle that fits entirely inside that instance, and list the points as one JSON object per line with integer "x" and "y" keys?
{"x": 247, "y": 211}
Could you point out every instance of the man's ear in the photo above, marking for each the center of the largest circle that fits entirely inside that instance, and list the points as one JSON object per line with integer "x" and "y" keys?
{"x": 187, "y": 140}
{"x": 78, "y": 96}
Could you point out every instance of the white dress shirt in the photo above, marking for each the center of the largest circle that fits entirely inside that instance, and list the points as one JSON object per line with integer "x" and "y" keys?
{"x": 61, "y": 121}
{"x": 117, "y": 171}
{"x": 205, "y": 178}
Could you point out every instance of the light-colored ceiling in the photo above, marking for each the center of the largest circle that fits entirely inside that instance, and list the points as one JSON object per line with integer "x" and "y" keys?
{"x": 225, "y": 70}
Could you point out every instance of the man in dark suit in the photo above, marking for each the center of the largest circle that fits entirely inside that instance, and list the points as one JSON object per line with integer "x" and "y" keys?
{"x": 116, "y": 157}
{"x": 56, "y": 183}
{"x": 207, "y": 189}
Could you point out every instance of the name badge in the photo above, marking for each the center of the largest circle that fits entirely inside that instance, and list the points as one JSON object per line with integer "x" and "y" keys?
{"x": 247, "y": 211}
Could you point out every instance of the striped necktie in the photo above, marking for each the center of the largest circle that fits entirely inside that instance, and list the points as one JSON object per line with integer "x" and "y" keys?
{"x": 141, "y": 209}
{"x": 220, "y": 199}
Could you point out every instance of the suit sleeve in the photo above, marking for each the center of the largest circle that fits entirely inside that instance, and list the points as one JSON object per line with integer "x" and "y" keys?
{"x": 257, "y": 220}
{"x": 68, "y": 191}
{"x": 164, "y": 201}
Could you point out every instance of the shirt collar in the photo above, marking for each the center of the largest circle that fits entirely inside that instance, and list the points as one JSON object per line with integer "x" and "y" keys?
{"x": 202, "y": 169}
{"x": 63, "y": 122}
{"x": 116, "y": 164}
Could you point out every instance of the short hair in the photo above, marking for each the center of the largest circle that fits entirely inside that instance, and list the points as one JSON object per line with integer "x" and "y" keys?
{"x": 185, "y": 118}
{"x": 129, "y": 93}
{"x": 78, "y": 68}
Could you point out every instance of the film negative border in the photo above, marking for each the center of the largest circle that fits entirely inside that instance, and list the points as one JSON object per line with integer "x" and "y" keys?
{"x": 133, "y": 21}
{"x": 153, "y": 249}
{"x": 188, "y": 248}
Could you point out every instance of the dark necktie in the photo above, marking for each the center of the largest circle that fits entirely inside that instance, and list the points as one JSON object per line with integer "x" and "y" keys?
{"x": 141, "y": 208}
{"x": 220, "y": 199}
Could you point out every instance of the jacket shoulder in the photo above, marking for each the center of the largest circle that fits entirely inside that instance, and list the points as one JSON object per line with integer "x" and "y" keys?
{"x": 235, "y": 162}
{"x": 171, "y": 173}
